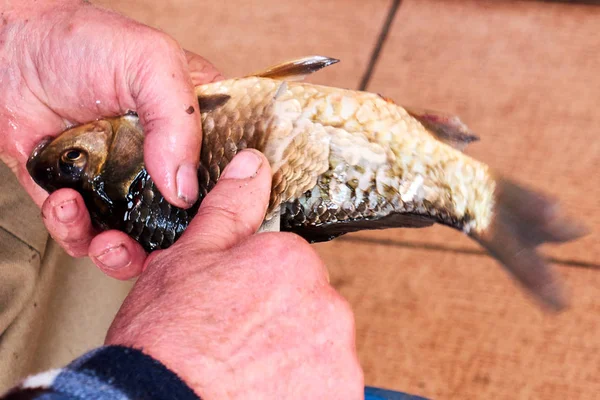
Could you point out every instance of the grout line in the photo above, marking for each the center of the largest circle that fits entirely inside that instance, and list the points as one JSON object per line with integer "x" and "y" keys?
{"x": 442, "y": 248}
{"x": 426, "y": 246}
{"x": 379, "y": 45}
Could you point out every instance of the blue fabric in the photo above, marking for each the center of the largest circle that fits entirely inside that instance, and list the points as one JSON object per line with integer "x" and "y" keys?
{"x": 53, "y": 396}
{"x": 133, "y": 373}
{"x": 35, "y": 394}
{"x": 373, "y": 393}
{"x": 122, "y": 373}
{"x": 110, "y": 373}
{"x": 86, "y": 386}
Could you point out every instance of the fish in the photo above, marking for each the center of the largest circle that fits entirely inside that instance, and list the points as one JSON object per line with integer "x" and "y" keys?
{"x": 342, "y": 161}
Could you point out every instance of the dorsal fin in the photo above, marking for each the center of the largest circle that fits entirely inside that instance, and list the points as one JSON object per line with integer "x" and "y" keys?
{"x": 296, "y": 70}
{"x": 209, "y": 102}
{"x": 446, "y": 128}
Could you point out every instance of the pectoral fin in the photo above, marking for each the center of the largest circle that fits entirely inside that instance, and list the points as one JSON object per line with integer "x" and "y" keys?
{"x": 296, "y": 70}
{"x": 446, "y": 128}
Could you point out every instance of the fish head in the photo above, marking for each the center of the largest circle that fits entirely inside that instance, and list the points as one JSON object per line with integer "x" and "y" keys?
{"x": 74, "y": 159}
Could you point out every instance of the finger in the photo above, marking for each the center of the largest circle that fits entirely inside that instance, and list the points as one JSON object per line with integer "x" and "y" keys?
{"x": 236, "y": 207}
{"x": 68, "y": 221}
{"x": 201, "y": 70}
{"x": 168, "y": 110}
{"x": 117, "y": 255}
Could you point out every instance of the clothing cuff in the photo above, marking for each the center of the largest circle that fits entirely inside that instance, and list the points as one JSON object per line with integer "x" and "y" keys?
{"x": 373, "y": 393}
{"x": 106, "y": 373}
{"x": 123, "y": 373}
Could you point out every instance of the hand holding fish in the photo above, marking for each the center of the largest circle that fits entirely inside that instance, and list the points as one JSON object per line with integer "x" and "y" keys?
{"x": 66, "y": 62}
{"x": 243, "y": 315}
{"x": 342, "y": 161}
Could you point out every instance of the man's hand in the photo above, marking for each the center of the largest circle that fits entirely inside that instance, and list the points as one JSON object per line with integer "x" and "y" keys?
{"x": 240, "y": 315}
{"x": 68, "y": 62}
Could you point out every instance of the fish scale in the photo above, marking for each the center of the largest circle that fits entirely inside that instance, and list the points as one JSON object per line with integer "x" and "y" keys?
{"x": 342, "y": 161}
{"x": 316, "y": 107}
{"x": 150, "y": 219}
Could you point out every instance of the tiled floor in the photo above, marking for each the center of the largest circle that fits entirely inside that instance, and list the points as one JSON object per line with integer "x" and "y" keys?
{"x": 435, "y": 316}
{"x": 523, "y": 76}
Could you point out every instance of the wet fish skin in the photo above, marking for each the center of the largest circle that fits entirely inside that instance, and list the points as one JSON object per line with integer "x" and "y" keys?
{"x": 339, "y": 154}
{"x": 342, "y": 161}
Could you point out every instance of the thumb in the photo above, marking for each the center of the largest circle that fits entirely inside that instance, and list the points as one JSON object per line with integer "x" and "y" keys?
{"x": 235, "y": 208}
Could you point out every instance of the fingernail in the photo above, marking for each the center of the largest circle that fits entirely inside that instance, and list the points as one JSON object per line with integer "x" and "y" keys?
{"x": 244, "y": 165}
{"x": 67, "y": 211}
{"x": 116, "y": 257}
{"x": 187, "y": 183}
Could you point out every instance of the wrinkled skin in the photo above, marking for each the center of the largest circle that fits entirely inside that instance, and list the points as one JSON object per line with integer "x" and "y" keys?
{"x": 221, "y": 296}
{"x": 240, "y": 315}
{"x": 68, "y": 62}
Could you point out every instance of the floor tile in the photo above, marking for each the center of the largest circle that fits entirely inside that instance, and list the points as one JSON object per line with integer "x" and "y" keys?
{"x": 455, "y": 326}
{"x": 242, "y": 37}
{"x": 524, "y": 77}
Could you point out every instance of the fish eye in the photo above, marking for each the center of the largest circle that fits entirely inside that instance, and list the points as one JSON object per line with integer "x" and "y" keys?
{"x": 72, "y": 162}
{"x": 72, "y": 155}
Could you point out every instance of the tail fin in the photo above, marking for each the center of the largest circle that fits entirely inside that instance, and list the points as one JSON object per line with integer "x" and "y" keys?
{"x": 524, "y": 219}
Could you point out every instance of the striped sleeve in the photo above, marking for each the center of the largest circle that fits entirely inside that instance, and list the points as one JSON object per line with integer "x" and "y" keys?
{"x": 106, "y": 373}
{"x": 123, "y": 373}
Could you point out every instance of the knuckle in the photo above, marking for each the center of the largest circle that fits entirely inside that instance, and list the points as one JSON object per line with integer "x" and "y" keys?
{"x": 157, "y": 52}
{"x": 342, "y": 315}
{"x": 221, "y": 200}
{"x": 296, "y": 260}
{"x": 346, "y": 316}
{"x": 219, "y": 209}
{"x": 70, "y": 235}
{"x": 165, "y": 42}
{"x": 299, "y": 248}
{"x": 223, "y": 211}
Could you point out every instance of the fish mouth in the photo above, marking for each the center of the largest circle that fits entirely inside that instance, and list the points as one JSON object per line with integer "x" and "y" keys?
{"x": 32, "y": 161}
{"x": 36, "y": 152}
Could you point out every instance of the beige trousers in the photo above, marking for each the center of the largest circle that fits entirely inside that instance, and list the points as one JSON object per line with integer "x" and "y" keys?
{"x": 53, "y": 308}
